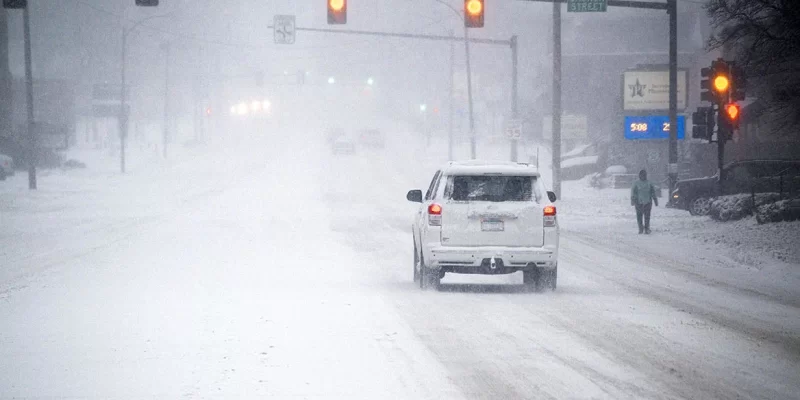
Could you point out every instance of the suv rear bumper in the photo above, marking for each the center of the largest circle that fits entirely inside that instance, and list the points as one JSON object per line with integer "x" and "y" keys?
{"x": 472, "y": 258}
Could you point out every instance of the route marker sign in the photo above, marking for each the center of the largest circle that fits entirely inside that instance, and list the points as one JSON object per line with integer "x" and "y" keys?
{"x": 284, "y": 31}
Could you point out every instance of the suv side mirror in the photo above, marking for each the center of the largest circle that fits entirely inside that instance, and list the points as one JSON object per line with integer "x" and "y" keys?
{"x": 551, "y": 196}
{"x": 415, "y": 196}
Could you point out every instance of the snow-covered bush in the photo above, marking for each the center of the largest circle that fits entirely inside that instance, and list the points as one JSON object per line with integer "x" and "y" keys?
{"x": 782, "y": 210}
{"x": 738, "y": 206}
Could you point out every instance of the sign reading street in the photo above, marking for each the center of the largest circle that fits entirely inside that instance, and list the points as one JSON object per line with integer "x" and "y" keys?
{"x": 652, "y": 127}
{"x": 284, "y": 29}
{"x": 586, "y": 5}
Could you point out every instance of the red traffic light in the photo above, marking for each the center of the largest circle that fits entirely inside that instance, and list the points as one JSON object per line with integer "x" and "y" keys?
{"x": 208, "y": 111}
{"x": 337, "y": 12}
{"x": 473, "y": 13}
{"x": 732, "y": 110}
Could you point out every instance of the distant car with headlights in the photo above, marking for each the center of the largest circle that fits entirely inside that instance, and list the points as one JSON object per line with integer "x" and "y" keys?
{"x": 485, "y": 218}
{"x": 6, "y": 166}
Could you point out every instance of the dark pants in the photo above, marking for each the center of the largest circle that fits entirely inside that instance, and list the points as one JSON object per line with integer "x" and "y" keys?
{"x": 643, "y": 210}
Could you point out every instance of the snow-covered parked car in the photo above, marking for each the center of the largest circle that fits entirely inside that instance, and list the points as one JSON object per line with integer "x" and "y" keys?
{"x": 582, "y": 161}
{"x": 6, "y": 166}
{"x": 343, "y": 145}
{"x": 486, "y": 218}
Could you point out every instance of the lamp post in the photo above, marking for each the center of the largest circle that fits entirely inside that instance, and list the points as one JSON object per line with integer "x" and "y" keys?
{"x": 123, "y": 113}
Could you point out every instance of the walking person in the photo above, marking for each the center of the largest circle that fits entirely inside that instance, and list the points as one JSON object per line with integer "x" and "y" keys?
{"x": 643, "y": 196}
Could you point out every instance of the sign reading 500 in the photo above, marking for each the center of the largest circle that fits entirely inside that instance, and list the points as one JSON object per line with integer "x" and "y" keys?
{"x": 652, "y": 127}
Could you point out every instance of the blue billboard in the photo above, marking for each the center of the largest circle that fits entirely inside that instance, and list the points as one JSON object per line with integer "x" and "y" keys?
{"x": 652, "y": 127}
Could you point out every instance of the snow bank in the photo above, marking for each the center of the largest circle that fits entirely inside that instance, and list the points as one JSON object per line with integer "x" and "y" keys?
{"x": 782, "y": 210}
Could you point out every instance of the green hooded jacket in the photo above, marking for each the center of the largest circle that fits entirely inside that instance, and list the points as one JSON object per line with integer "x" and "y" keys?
{"x": 643, "y": 192}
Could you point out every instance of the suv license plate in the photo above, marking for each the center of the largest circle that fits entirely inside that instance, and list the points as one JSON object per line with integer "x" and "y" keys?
{"x": 492, "y": 225}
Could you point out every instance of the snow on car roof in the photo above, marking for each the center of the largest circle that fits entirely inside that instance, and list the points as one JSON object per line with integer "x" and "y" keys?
{"x": 480, "y": 167}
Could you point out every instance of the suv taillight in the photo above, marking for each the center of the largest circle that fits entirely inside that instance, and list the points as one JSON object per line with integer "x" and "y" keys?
{"x": 435, "y": 215}
{"x": 549, "y": 216}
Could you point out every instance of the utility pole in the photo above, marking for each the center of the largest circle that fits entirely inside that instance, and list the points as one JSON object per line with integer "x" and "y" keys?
{"x": 514, "y": 95}
{"x": 452, "y": 101}
{"x": 123, "y": 115}
{"x": 29, "y": 99}
{"x": 165, "y": 138}
{"x": 123, "y": 109}
{"x": 472, "y": 138}
{"x": 556, "y": 120}
{"x": 672, "y": 169}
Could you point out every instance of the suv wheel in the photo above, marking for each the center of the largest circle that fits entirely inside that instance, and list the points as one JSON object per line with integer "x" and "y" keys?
{"x": 428, "y": 278}
{"x": 530, "y": 278}
{"x": 699, "y": 206}
{"x": 539, "y": 279}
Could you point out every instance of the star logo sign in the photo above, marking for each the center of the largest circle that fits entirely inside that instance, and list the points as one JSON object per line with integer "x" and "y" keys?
{"x": 637, "y": 89}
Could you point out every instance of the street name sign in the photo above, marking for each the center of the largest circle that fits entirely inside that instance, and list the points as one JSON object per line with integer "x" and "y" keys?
{"x": 587, "y": 5}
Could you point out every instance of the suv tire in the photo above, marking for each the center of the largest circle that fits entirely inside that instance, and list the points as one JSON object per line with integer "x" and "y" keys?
{"x": 699, "y": 206}
{"x": 539, "y": 279}
{"x": 429, "y": 278}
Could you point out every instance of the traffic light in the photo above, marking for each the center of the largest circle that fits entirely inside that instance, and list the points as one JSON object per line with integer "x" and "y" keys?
{"x": 715, "y": 85}
{"x": 729, "y": 116}
{"x": 473, "y": 13}
{"x": 337, "y": 12}
{"x": 147, "y": 3}
{"x": 15, "y": 3}
{"x": 703, "y": 123}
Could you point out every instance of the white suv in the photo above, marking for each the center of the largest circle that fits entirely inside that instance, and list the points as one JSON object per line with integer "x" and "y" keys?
{"x": 486, "y": 218}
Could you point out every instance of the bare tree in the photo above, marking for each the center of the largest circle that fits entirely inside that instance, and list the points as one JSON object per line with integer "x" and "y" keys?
{"x": 764, "y": 38}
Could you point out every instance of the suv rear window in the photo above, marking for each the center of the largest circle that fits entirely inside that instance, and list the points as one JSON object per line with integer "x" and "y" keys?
{"x": 496, "y": 188}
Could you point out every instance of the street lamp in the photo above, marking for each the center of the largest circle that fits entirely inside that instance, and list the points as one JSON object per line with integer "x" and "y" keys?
{"x": 370, "y": 81}
{"x": 331, "y": 80}
{"x": 123, "y": 114}
{"x": 423, "y": 107}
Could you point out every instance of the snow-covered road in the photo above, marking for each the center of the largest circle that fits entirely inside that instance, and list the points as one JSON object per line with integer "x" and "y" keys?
{"x": 281, "y": 271}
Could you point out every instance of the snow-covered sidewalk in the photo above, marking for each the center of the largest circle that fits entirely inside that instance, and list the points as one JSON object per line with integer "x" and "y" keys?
{"x": 764, "y": 258}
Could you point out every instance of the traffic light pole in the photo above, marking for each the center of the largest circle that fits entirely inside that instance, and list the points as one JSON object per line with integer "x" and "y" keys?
{"x": 472, "y": 139}
{"x": 450, "y": 109}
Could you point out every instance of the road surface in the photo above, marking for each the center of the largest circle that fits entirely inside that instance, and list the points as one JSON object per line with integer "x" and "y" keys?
{"x": 285, "y": 272}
